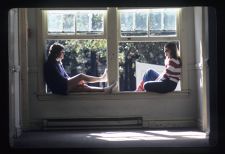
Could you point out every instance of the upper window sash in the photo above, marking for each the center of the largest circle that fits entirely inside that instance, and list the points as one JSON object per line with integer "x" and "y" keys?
{"x": 134, "y": 15}
{"x": 75, "y": 28}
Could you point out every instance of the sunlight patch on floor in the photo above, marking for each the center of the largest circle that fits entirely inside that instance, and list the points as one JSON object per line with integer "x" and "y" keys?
{"x": 186, "y": 134}
{"x": 127, "y": 136}
{"x": 147, "y": 135}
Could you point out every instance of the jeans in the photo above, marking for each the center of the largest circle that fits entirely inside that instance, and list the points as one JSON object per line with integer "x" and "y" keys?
{"x": 161, "y": 86}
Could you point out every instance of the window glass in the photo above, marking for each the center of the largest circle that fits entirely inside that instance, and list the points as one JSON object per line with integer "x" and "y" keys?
{"x": 81, "y": 22}
{"x": 61, "y": 22}
{"x": 134, "y": 23}
{"x": 162, "y": 22}
{"x": 148, "y": 22}
{"x": 90, "y": 22}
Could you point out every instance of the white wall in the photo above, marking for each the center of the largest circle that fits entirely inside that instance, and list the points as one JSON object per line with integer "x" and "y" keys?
{"x": 173, "y": 109}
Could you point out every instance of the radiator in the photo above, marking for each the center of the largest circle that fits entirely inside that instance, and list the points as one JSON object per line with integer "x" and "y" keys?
{"x": 90, "y": 123}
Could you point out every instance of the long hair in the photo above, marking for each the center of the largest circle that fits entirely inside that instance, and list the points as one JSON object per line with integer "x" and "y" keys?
{"x": 54, "y": 51}
{"x": 174, "y": 50}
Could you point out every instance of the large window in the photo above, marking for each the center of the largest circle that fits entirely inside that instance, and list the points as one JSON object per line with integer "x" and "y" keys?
{"x": 141, "y": 35}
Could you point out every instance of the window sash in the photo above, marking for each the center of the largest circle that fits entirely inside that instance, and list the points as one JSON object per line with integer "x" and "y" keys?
{"x": 72, "y": 35}
{"x": 149, "y": 37}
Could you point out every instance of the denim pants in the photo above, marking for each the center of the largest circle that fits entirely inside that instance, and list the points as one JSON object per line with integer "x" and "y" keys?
{"x": 161, "y": 86}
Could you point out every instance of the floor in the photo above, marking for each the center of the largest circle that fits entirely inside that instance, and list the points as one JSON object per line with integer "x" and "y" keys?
{"x": 111, "y": 139}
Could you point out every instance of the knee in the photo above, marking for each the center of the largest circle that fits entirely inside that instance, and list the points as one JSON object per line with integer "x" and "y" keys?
{"x": 147, "y": 86}
{"x": 80, "y": 76}
{"x": 147, "y": 74}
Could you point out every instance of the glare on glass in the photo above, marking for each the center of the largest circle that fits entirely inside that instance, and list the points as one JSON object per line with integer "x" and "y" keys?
{"x": 59, "y": 22}
{"x": 162, "y": 22}
{"x": 134, "y": 23}
{"x": 90, "y": 22}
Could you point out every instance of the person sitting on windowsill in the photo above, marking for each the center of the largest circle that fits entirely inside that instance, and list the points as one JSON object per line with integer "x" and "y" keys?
{"x": 168, "y": 79}
{"x": 59, "y": 82}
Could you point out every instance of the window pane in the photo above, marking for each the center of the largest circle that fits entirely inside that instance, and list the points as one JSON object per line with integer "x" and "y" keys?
{"x": 155, "y": 21}
{"x": 55, "y": 23}
{"x": 170, "y": 20}
{"x": 90, "y": 22}
{"x": 83, "y": 56}
{"x": 148, "y": 53}
{"x": 162, "y": 22}
{"x": 133, "y": 22}
{"x": 97, "y": 22}
{"x": 69, "y": 23}
{"x": 141, "y": 23}
{"x": 61, "y": 22}
{"x": 82, "y": 22}
{"x": 126, "y": 23}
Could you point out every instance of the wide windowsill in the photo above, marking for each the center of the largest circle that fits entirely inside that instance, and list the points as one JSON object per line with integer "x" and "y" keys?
{"x": 125, "y": 95}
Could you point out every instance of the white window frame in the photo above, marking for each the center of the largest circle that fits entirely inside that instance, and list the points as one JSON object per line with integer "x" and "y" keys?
{"x": 162, "y": 38}
{"x": 42, "y": 35}
{"x": 111, "y": 33}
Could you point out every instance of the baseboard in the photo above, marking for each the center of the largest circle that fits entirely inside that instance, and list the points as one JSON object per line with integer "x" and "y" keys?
{"x": 162, "y": 124}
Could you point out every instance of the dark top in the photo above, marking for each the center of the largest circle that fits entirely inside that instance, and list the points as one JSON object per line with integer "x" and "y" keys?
{"x": 55, "y": 77}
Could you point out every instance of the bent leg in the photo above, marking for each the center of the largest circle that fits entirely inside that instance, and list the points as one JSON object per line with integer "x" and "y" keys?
{"x": 149, "y": 75}
{"x": 159, "y": 86}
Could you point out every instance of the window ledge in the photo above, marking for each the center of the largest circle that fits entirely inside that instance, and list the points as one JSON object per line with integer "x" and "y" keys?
{"x": 125, "y": 95}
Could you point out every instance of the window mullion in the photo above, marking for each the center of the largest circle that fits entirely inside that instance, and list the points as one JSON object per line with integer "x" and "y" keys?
{"x": 75, "y": 24}
{"x": 148, "y": 23}
{"x": 162, "y": 18}
{"x": 112, "y": 45}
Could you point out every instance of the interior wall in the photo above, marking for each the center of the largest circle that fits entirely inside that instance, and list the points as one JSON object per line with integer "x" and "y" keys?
{"x": 174, "y": 109}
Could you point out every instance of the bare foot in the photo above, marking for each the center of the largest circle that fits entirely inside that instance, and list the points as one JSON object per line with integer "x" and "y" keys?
{"x": 110, "y": 88}
{"x": 105, "y": 76}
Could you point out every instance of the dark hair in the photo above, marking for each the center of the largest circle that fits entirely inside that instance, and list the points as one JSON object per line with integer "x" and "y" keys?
{"x": 174, "y": 50}
{"x": 54, "y": 50}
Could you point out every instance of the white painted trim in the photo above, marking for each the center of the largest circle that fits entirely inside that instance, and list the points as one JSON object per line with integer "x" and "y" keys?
{"x": 76, "y": 8}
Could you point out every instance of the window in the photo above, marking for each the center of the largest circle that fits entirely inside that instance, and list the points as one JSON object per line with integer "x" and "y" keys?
{"x": 82, "y": 32}
{"x": 141, "y": 35}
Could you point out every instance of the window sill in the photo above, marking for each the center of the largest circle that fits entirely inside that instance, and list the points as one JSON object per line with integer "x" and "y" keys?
{"x": 125, "y": 95}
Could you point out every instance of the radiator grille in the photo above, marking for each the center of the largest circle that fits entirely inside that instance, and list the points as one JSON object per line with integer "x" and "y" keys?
{"x": 90, "y": 123}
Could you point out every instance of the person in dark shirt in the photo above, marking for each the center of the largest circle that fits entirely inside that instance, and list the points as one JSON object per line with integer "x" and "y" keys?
{"x": 59, "y": 82}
